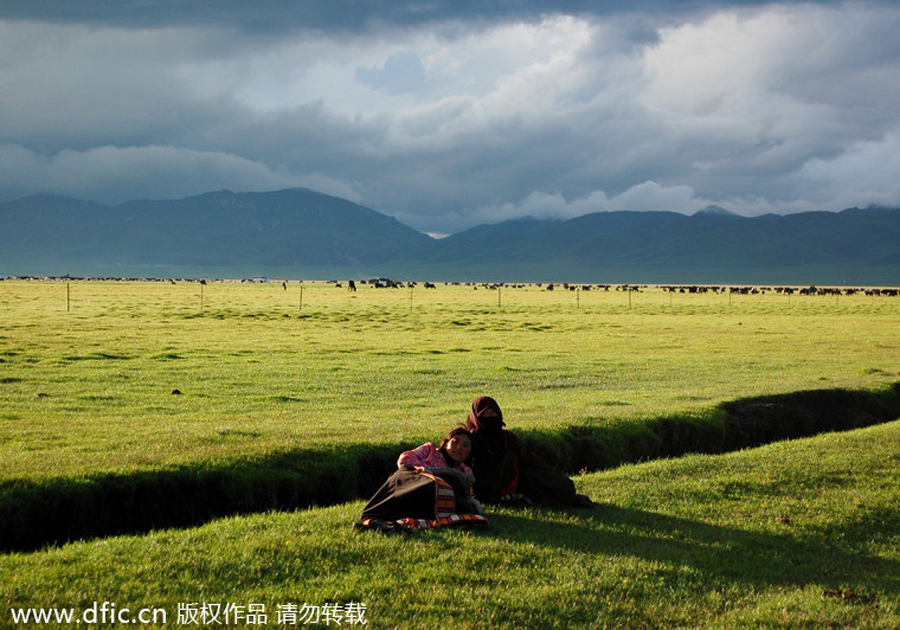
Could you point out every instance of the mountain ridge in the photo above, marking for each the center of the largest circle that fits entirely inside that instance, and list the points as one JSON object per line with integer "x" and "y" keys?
{"x": 218, "y": 228}
{"x": 301, "y": 231}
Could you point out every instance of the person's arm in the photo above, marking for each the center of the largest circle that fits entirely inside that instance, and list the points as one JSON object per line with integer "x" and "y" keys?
{"x": 419, "y": 457}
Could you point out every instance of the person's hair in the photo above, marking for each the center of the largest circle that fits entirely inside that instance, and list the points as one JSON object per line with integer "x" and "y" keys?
{"x": 454, "y": 433}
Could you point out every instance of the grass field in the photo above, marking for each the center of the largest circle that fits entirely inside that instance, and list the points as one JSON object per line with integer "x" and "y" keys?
{"x": 90, "y": 390}
{"x": 799, "y": 534}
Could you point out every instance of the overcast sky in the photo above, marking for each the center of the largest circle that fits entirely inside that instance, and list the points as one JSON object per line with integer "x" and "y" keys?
{"x": 450, "y": 113}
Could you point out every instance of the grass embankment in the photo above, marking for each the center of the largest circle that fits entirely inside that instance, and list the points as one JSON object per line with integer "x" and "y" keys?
{"x": 800, "y": 534}
{"x": 283, "y": 404}
{"x": 35, "y": 513}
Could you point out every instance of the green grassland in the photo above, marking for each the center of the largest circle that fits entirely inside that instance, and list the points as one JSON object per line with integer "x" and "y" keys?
{"x": 795, "y": 534}
{"x": 89, "y": 390}
{"x": 799, "y": 534}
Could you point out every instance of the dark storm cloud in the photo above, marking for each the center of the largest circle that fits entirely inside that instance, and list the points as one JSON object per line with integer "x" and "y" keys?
{"x": 448, "y": 114}
{"x": 328, "y": 15}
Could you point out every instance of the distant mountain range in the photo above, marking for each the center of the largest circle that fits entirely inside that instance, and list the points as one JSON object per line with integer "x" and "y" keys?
{"x": 300, "y": 233}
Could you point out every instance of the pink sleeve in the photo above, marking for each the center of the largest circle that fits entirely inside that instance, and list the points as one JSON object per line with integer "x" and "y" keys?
{"x": 419, "y": 456}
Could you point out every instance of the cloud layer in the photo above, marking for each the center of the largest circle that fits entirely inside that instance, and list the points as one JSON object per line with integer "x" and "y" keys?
{"x": 446, "y": 117}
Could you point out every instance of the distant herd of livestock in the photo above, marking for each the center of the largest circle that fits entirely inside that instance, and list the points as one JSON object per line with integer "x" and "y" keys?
{"x": 743, "y": 290}
{"x": 381, "y": 283}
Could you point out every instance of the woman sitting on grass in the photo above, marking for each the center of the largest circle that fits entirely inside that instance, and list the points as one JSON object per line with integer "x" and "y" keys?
{"x": 432, "y": 487}
{"x": 507, "y": 471}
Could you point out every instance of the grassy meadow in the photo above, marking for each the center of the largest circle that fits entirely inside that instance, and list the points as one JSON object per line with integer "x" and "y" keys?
{"x": 124, "y": 378}
{"x": 90, "y": 389}
{"x": 799, "y": 534}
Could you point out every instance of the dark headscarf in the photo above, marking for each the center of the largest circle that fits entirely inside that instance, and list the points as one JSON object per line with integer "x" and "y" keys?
{"x": 476, "y": 421}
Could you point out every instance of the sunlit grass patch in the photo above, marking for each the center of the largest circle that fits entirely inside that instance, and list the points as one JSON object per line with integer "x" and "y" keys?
{"x": 393, "y": 365}
{"x": 798, "y": 534}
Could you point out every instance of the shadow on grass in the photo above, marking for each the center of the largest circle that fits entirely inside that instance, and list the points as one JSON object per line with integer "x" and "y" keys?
{"x": 34, "y": 514}
{"x": 721, "y": 555}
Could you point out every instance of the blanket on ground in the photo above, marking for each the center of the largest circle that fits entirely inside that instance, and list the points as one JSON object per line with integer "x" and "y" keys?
{"x": 420, "y": 499}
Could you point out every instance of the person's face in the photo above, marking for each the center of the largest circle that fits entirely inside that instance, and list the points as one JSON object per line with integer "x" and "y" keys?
{"x": 459, "y": 448}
